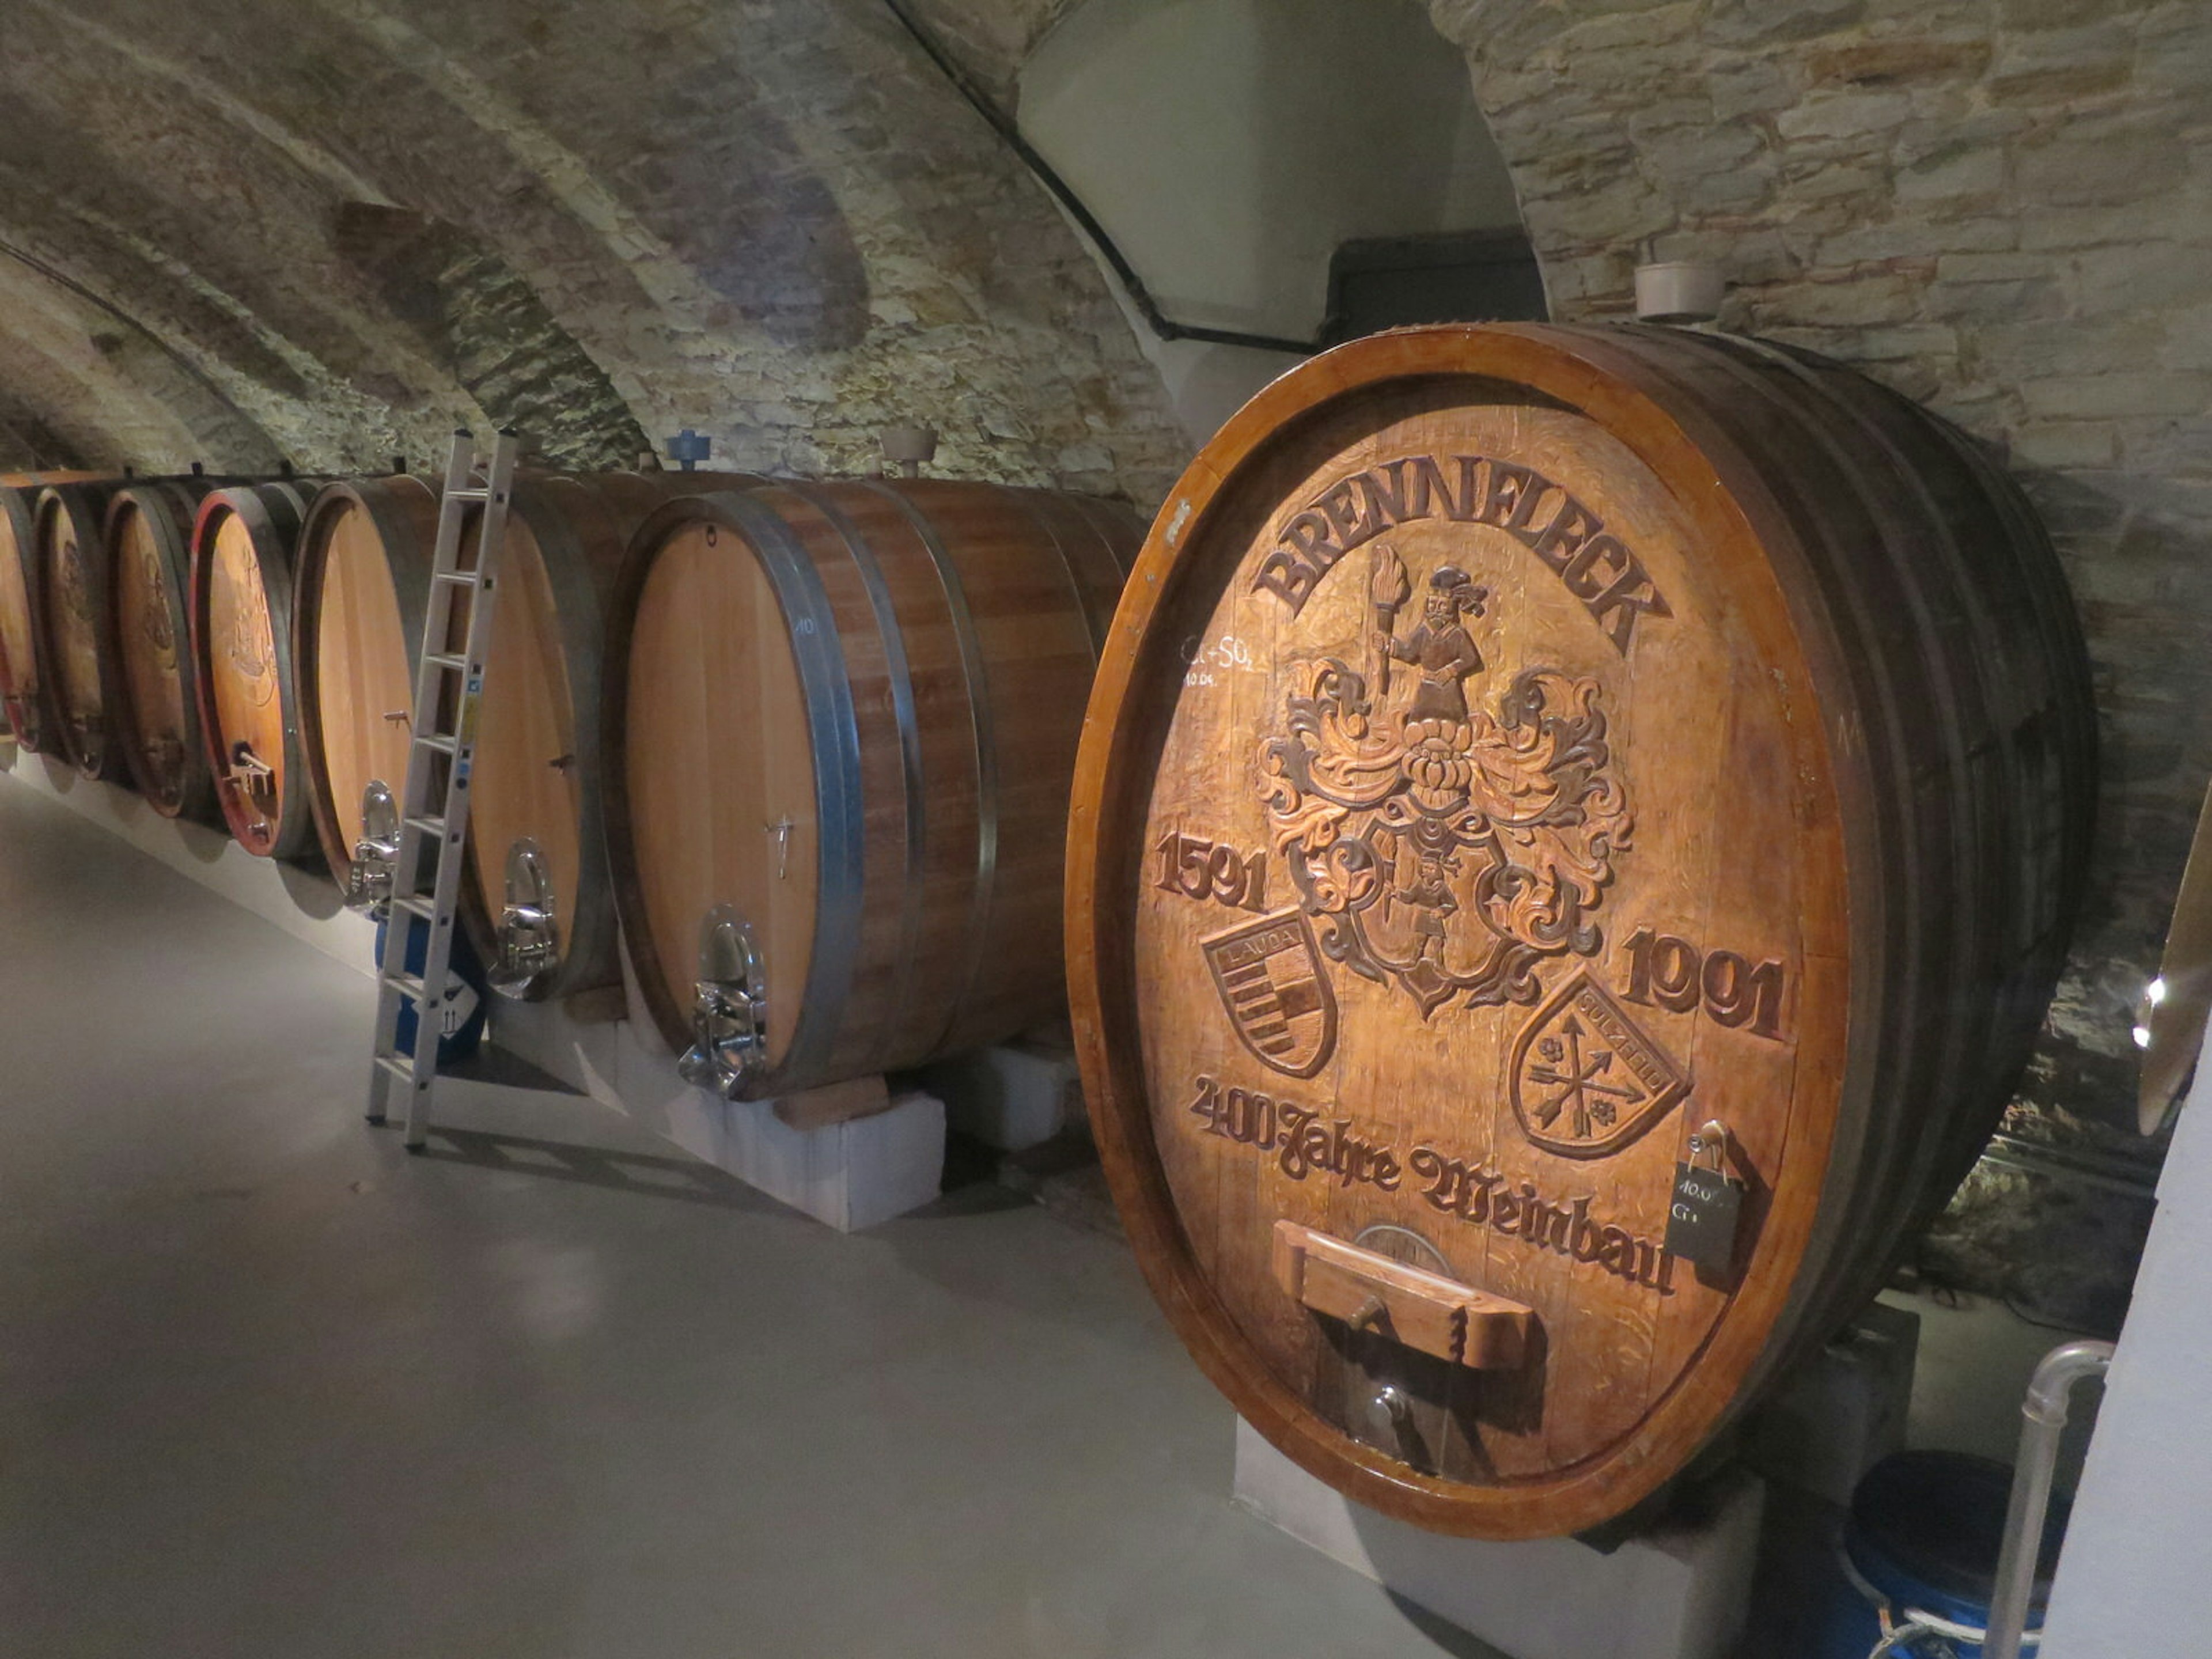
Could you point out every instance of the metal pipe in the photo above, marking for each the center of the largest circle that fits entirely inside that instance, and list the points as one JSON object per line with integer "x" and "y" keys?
{"x": 2118, "y": 1174}
{"x": 2044, "y": 1412}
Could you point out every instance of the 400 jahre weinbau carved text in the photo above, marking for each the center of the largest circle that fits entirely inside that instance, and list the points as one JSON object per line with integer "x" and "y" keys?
{"x": 1303, "y": 1142}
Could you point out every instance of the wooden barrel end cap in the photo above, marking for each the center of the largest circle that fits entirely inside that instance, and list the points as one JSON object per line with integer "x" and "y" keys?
{"x": 1515, "y": 904}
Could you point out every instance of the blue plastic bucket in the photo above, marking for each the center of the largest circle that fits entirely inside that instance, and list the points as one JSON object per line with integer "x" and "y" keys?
{"x": 1923, "y": 1539}
{"x": 464, "y": 1010}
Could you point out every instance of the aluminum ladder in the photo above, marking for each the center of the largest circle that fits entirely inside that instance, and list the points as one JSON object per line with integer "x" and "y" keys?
{"x": 433, "y": 810}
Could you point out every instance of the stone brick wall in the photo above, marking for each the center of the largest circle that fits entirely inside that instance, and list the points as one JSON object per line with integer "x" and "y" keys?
{"x": 765, "y": 219}
{"x": 2002, "y": 208}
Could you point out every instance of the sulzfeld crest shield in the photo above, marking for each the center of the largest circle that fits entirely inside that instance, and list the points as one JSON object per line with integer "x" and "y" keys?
{"x": 1585, "y": 1080}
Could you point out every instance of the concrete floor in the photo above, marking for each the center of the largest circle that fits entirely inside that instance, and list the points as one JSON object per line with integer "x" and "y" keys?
{"x": 268, "y": 1386}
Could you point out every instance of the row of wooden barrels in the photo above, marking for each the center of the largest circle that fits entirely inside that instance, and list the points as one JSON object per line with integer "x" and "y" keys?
{"x": 858, "y": 741}
{"x": 1574, "y": 832}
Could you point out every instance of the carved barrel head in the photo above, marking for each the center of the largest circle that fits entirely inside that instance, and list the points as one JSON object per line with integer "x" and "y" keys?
{"x": 1458, "y": 830}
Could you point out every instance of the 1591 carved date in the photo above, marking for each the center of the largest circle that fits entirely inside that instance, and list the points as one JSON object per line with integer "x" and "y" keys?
{"x": 1198, "y": 868}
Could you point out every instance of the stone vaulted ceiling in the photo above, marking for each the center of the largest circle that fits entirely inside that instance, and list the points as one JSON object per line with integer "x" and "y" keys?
{"x": 330, "y": 229}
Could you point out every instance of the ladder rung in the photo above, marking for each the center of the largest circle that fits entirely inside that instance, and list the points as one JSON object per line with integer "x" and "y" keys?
{"x": 428, "y": 892}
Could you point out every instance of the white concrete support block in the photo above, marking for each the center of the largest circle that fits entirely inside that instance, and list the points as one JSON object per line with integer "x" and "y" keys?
{"x": 304, "y": 903}
{"x": 1677, "y": 1594}
{"x": 585, "y": 1056}
{"x": 1843, "y": 1411}
{"x": 852, "y": 1175}
{"x": 1012, "y": 1097}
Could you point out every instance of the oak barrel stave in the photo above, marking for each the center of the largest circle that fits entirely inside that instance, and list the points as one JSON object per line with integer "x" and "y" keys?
{"x": 245, "y": 542}
{"x": 1962, "y": 1033}
{"x": 2028, "y": 627}
{"x": 928, "y": 645}
{"x": 925, "y": 751}
{"x": 1931, "y": 690}
{"x": 1987, "y": 1014}
{"x": 1868, "y": 574}
{"x": 1034, "y": 615}
{"x": 1841, "y": 619}
{"x": 1970, "y": 644}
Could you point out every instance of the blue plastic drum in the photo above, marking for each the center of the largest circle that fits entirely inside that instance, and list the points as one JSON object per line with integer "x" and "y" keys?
{"x": 464, "y": 1012}
{"x": 1924, "y": 1536}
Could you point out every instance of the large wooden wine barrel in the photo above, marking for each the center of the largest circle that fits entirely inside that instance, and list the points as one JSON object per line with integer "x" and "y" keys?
{"x": 22, "y": 671}
{"x": 362, "y": 591}
{"x": 840, "y": 722}
{"x": 1576, "y": 832}
{"x": 243, "y": 546}
{"x": 545, "y": 915}
{"x": 70, "y": 583}
{"x": 148, "y": 539}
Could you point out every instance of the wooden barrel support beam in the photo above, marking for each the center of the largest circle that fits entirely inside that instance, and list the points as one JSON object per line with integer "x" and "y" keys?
{"x": 1592, "y": 815}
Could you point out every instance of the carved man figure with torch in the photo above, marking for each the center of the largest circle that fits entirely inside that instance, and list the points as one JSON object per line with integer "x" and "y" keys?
{"x": 1440, "y": 646}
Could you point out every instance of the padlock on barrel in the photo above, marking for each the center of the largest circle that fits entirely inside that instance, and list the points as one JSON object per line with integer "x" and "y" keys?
{"x": 1705, "y": 1217}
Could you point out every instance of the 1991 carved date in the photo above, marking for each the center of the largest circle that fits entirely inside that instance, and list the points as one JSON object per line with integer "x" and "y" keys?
{"x": 1674, "y": 974}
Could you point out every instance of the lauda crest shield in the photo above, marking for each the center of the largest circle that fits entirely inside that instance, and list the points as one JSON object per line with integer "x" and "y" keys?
{"x": 1269, "y": 975}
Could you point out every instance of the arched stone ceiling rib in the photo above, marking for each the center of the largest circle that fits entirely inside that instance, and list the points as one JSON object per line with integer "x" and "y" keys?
{"x": 771, "y": 222}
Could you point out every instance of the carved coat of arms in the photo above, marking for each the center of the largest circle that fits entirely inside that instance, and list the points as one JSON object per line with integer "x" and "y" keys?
{"x": 71, "y": 582}
{"x": 154, "y": 625}
{"x": 1271, "y": 981}
{"x": 248, "y": 642}
{"x": 1439, "y": 842}
{"x": 1586, "y": 1080}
